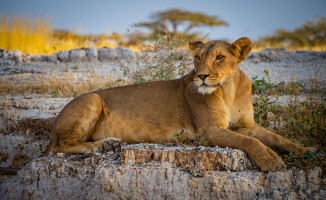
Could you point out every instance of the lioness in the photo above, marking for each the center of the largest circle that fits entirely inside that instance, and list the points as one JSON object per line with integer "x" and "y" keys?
{"x": 214, "y": 100}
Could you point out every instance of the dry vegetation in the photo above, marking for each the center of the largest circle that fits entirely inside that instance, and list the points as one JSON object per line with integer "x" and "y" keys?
{"x": 311, "y": 36}
{"x": 37, "y": 36}
{"x": 303, "y": 123}
{"x": 59, "y": 85}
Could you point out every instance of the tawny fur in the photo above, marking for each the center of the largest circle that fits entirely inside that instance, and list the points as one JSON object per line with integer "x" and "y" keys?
{"x": 211, "y": 100}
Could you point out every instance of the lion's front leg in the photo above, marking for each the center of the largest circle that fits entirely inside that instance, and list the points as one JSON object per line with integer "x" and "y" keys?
{"x": 265, "y": 158}
{"x": 273, "y": 140}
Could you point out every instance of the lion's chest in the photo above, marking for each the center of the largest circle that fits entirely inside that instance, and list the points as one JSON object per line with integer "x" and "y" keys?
{"x": 234, "y": 116}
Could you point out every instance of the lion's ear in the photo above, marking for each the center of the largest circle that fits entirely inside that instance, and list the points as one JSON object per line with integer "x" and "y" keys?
{"x": 194, "y": 46}
{"x": 241, "y": 48}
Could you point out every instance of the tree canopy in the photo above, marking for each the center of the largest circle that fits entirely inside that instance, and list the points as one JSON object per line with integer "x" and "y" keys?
{"x": 168, "y": 21}
{"x": 309, "y": 35}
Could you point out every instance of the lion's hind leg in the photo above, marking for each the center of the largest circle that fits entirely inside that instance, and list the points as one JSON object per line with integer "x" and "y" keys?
{"x": 103, "y": 145}
{"x": 74, "y": 126}
{"x": 77, "y": 147}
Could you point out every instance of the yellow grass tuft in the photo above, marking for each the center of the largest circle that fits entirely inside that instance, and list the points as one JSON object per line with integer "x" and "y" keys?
{"x": 24, "y": 34}
{"x": 37, "y": 36}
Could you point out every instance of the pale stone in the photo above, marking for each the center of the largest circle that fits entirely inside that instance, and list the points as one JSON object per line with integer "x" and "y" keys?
{"x": 38, "y": 58}
{"x": 5, "y": 62}
{"x": 14, "y": 55}
{"x": 313, "y": 180}
{"x": 20, "y": 149}
{"x": 27, "y": 58}
{"x": 124, "y": 54}
{"x": 196, "y": 160}
{"x": 64, "y": 55}
{"x": 52, "y": 58}
{"x": 100, "y": 176}
{"x": 106, "y": 54}
{"x": 2, "y": 51}
{"x": 92, "y": 54}
{"x": 77, "y": 55}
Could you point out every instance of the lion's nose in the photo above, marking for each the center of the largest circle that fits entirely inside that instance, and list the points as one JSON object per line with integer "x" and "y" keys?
{"x": 203, "y": 76}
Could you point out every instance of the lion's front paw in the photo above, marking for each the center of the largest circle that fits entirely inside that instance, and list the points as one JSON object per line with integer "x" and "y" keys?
{"x": 302, "y": 150}
{"x": 113, "y": 145}
{"x": 270, "y": 161}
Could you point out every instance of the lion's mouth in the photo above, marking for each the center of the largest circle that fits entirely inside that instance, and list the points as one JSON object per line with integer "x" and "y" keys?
{"x": 204, "y": 87}
{"x": 209, "y": 85}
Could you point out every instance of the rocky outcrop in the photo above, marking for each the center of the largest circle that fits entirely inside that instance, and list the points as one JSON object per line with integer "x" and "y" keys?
{"x": 18, "y": 108}
{"x": 151, "y": 171}
{"x": 38, "y": 58}
{"x": 77, "y": 55}
{"x": 269, "y": 55}
{"x": 92, "y": 54}
{"x": 63, "y": 56}
{"x": 196, "y": 160}
{"x": 13, "y": 55}
{"x": 105, "y": 54}
{"x": 52, "y": 58}
{"x": 16, "y": 151}
{"x": 124, "y": 54}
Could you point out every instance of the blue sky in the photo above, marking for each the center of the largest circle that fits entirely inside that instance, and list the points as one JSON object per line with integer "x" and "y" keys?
{"x": 250, "y": 18}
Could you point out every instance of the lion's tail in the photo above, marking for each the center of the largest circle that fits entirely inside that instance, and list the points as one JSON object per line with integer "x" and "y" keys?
{"x": 53, "y": 142}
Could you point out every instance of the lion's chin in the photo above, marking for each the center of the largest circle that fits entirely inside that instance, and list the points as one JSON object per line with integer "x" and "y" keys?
{"x": 206, "y": 89}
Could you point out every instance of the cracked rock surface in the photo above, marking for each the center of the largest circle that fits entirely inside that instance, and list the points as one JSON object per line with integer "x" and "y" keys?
{"x": 156, "y": 171}
{"x": 196, "y": 160}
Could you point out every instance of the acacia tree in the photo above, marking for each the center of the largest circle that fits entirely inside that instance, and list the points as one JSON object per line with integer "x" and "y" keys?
{"x": 309, "y": 35}
{"x": 174, "y": 18}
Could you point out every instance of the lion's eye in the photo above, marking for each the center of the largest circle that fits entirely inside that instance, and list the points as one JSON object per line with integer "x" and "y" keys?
{"x": 219, "y": 57}
{"x": 197, "y": 57}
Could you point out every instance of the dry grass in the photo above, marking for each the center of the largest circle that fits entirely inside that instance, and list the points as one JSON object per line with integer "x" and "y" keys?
{"x": 37, "y": 36}
{"x": 63, "y": 84}
{"x": 265, "y": 45}
{"x": 27, "y": 35}
{"x": 160, "y": 62}
{"x": 302, "y": 122}
{"x": 308, "y": 37}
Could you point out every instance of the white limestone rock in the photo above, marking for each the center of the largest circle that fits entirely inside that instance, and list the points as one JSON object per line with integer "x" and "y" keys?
{"x": 5, "y": 62}
{"x": 15, "y": 55}
{"x": 102, "y": 176}
{"x": 92, "y": 54}
{"x": 63, "y": 56}
{"x": 196, "y": 160}
{"x": 20, "y": 150}
{"x": 124, "y": 54}
{"x": 77, "y": 55}
{"x": 106, "y": 54}
{"x": 27, "y": 59}
{"x": 38, "y": 58}
{"x": 52, "y": 58}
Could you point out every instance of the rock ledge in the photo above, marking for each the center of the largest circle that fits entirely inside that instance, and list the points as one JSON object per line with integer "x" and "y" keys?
{"x": 156, "y": 171}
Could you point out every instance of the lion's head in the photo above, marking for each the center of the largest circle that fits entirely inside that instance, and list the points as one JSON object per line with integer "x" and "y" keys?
{"x": 216, "y": 61}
